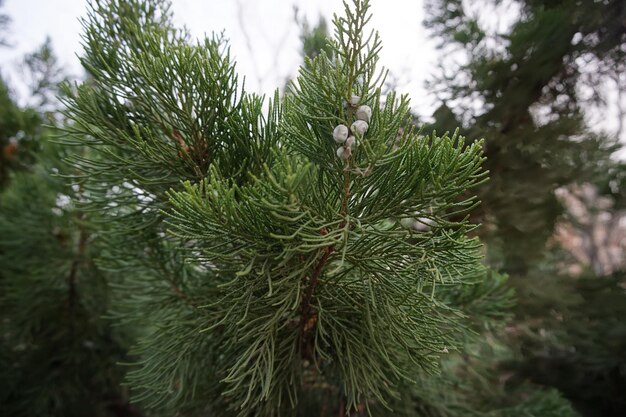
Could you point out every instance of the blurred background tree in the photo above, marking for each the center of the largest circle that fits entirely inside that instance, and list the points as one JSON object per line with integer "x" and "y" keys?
{"x": 58, "y": 354}
{"x": 527, "y": 75}
{"x": 18, "y": 128}
{"x": 522, "y": 74}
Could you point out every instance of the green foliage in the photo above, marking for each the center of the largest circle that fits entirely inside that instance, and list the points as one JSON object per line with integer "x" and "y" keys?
{"x": 44, "y": 75}
{"x": 18, "y": 129}
{"x": 262, "y": 274}
{"x": 315, "y": 40}
{"x": 256, "y": 273}
{"x": 578, "y": 347}
{"x": 528, "y": 78}
{"x": 480, "y": 396}
{"x": 487, "y": 303}
{"x": 59, "y": 354}
{"x": 160, "y": 110}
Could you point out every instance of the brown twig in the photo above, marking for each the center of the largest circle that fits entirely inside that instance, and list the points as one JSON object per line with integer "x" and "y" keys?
{"x": 178, "y": 138}
{"x": 308, "y": 317}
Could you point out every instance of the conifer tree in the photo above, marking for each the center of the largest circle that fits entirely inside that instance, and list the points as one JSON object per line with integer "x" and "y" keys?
{"x": 520, "y": 86}
{"x": 58, "y": 354}
{"x": 301, "y": 260}
{"x": 18, "y": 127}
{"x": 18, "y": 130}
{"x": 533, "y": 77}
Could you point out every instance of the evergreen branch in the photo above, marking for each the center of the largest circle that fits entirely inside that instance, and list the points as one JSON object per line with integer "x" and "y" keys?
{"x": 298, "y": 265}
{"x": 307, "y": 312}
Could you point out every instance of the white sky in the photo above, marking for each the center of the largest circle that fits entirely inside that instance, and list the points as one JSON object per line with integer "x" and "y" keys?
{"x": 273, "y": 54}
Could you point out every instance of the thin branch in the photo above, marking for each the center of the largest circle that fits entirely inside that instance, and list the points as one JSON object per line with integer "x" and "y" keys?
{"x": 308, "y": 316}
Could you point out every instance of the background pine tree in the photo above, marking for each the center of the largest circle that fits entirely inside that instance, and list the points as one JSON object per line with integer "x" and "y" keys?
{"x": 519, "y": 89}
{"x": 532, "y": 81}
{"x": 58, "y": 353}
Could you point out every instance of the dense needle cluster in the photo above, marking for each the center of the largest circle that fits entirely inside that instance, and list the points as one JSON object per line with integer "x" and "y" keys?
{"x": 265, "y": 264}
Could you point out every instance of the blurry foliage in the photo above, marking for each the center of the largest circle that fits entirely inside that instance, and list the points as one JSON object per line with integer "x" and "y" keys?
{"x": 572, "y": 336}
{"x": 44, "y": 74}
{"x": 21, "y": 127}
{"x": 58, "y": 354}
{"x": 314, "y": 40}
{"x": 520, "y": 89}
{"x": 18, "y": 129}
{"x": 473, "y": 385}
{"x": 522, "y": 74}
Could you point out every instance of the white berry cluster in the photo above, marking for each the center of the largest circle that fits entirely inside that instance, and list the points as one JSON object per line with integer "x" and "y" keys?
{"x": 346, "y": 137}
{"x": 419, "y": 224}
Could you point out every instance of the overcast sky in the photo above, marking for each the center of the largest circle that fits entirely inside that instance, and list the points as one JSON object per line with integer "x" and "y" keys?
{"x": 263, "y": 35}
